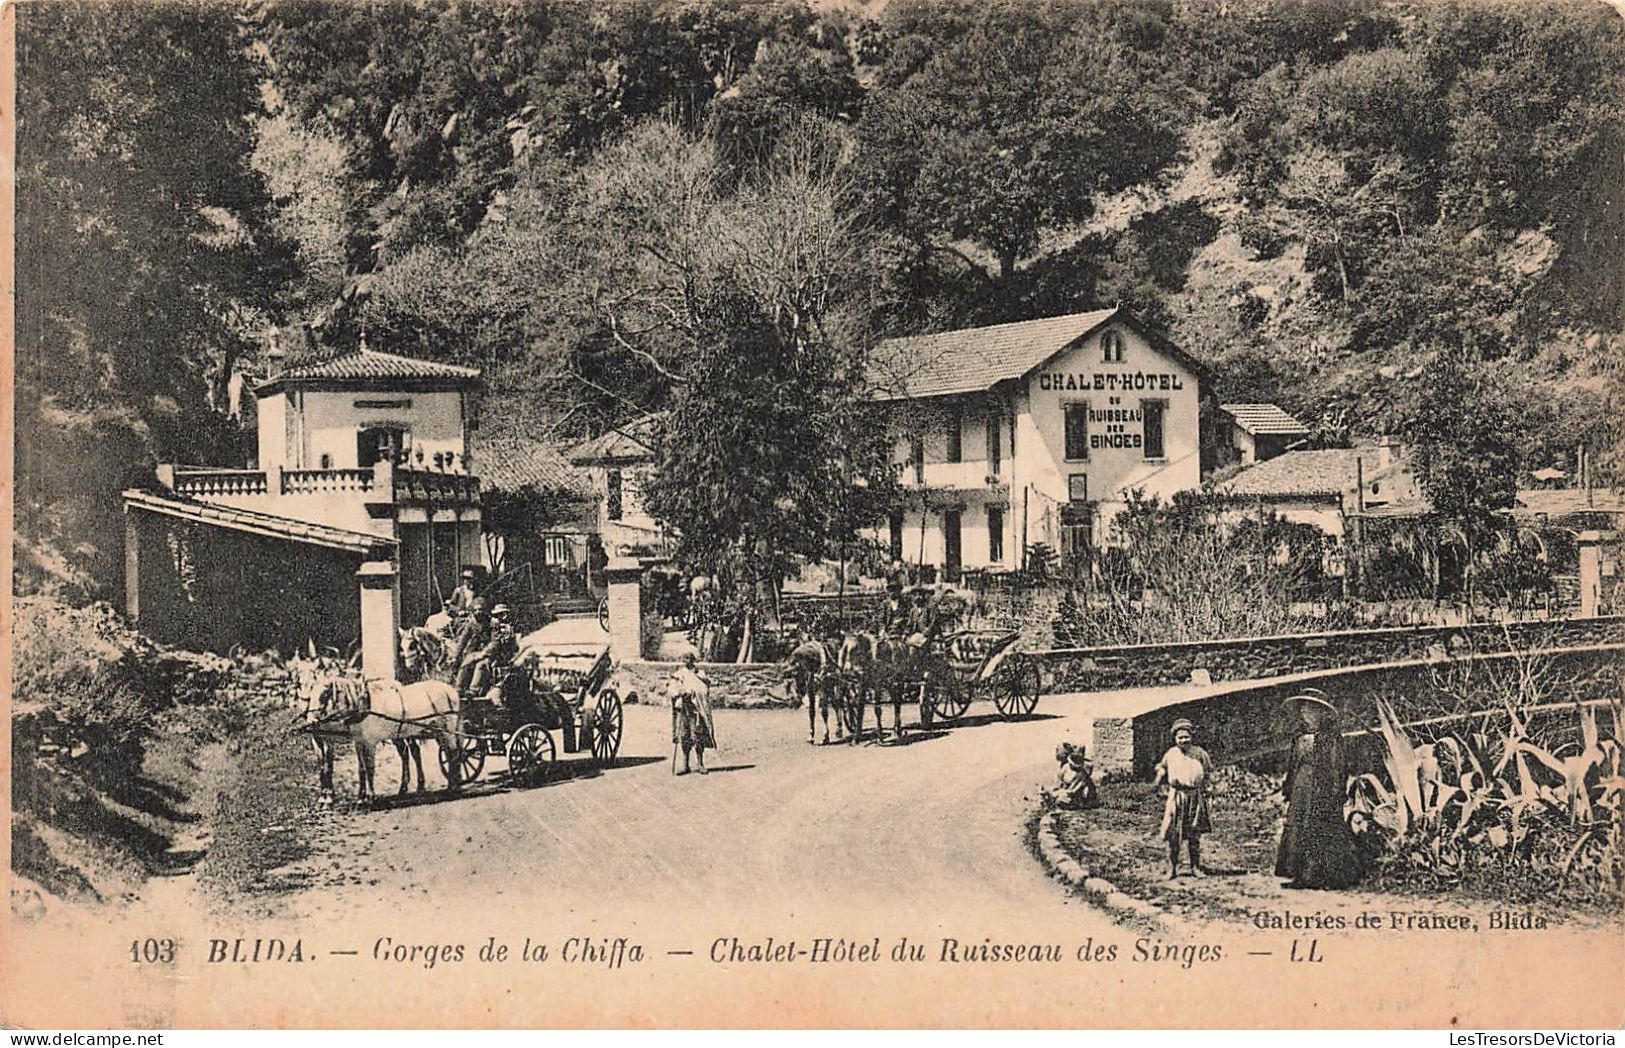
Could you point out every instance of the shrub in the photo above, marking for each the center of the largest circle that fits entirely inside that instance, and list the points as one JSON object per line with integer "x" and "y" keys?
{"x": 1477, "y": 802}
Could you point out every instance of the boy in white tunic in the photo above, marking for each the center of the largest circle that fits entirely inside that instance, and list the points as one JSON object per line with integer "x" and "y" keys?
{"x": 1184, "y": 770}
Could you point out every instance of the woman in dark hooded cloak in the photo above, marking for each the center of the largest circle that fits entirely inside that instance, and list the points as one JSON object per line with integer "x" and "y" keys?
{"x": 1317, "y": 849}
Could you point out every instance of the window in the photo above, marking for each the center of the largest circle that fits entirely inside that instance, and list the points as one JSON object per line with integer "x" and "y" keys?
{"x": 1153, "y": 411}
{"x": 612, "y": 495}
{"x": 995, "y": 534}
{"x": 327, "y": 462}
{"x": 379, "y": 444}
{"x": 956, "y": 446}
{"x": 916, "y": 456}
{"x": 952, "y": 545}
{"x": 1111, "y": 347}
{"x": 897, "y": 536}
{"x": 995, "y": 450}
{"x": 1077, "y": 431}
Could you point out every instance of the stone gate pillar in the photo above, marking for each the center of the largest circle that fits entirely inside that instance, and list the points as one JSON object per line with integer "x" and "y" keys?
{"x": 625, "y": 577}
{"x": 380, "y": 618}
{"x": 1596, "y": 554}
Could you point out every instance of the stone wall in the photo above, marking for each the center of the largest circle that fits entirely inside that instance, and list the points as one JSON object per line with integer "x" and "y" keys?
{"x": 749, "y": 685}
{"x": 1247, "y": 723}
{"x": 1253, "y": 658}
{"x": 212, "y": 589}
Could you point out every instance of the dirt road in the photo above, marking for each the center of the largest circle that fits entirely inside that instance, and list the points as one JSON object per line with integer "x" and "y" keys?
{"x": 631, "y": 898}
{"x": 777, "y": 824}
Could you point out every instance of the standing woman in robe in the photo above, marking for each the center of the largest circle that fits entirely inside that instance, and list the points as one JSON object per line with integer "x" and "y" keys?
{"x": 1317, "y": 849}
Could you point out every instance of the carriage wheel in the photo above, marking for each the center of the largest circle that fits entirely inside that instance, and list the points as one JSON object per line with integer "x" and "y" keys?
{"x": 606, "y": 734}
{"x": 530, "y": 754}
{"x": 603, "y": 614}
{"x": 1017, "y": 688}
{"x": 461, "y": 759}
{"x": 950, "y": 699}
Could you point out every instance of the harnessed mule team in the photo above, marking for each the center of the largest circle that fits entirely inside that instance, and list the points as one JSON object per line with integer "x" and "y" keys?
{"x": 334, "y": 705}
{"x": 842, "y": 674}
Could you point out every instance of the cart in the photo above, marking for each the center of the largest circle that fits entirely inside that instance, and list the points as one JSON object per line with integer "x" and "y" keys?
{"x": 985, "y": 662}
{"x": 561, "y": 689}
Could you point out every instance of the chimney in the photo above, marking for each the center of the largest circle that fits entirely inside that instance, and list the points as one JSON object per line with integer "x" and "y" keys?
{"x": 275, "y": 358}
{"x": 1385, "y": 451}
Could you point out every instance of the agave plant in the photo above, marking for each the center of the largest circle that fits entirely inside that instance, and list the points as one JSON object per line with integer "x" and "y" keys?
{"x": 1495, "y": 793}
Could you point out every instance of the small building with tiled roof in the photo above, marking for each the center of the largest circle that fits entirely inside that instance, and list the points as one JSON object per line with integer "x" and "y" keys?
{"x": 619, "y": 462}
{"x": 1258, "y": 432}
{"x": 366, "y": 368}
{"x": 1325, "y": 487}
{"x": 351, "y": 410}
{"x": 512, "y": 463}
{"x": 1035, "y": 431}
{"x": 361, "y": 443}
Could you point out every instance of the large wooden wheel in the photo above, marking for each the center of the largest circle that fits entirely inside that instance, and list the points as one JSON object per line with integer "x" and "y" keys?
{"x": 949, "y": 698}
{"x": 530, "y": 754}
{"x": 462, "y": 758}
{"x": 1016, "y": 687}
{"x": 606, "y": 728}
{"x": 603, "y": 614}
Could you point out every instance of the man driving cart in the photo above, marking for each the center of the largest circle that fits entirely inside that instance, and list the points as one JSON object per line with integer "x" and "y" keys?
{"x": 488, "y": 644}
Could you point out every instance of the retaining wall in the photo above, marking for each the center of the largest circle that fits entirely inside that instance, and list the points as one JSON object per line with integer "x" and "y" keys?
{"x": 1246, "y": 723}
{"x": 1255, "y": 658}
{"x": 748, "y": 685}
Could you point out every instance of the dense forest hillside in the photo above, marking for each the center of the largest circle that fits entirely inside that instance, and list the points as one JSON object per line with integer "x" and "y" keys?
{"x": 1350, "y": 207}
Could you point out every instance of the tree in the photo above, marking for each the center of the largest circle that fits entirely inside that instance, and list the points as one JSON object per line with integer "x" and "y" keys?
{"x": 1014, "y": 129}
{"x": 1465, "y": 453}
{"x": 145, "y": 257}
{"x": 766, "y": 454}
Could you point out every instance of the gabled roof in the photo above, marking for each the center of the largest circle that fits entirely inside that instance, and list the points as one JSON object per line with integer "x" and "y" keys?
{"x": 970, "y": 360}
{"x": 1326, "y": 473}
{"x": 1567, "y": 502}
{"x": 267, "y": 525}
{"x": 630, "y": 442}
{"x": 1264, "y": 419}
{"x": 369, "y": 369}
{"x": 511, "y": 463}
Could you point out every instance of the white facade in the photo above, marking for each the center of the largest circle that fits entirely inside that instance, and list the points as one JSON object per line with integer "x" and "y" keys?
{"x": 1048, "y": 456}
{"x": 320, "y": 429}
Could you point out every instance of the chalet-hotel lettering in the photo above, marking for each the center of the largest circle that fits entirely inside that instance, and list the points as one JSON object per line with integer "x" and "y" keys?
{"x": 1035, "y": 431}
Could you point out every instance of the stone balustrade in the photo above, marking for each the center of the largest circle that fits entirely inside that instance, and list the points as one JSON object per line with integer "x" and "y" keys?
{"x": 220, "y": 483}
{"x": 325, "y": 481}
{"x": 449, "y": 489}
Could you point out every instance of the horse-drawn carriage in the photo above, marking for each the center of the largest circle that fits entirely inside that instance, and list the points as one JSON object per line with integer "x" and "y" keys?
{"x": 985, "y": 662}
{"x": 563, "y": 689}
{"x": 942, "y": 677}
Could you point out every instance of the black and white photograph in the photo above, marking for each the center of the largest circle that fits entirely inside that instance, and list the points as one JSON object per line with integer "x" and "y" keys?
{"x": 816, "y": 514}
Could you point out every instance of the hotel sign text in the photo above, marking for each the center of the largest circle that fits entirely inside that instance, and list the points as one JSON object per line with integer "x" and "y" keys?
{"x": 1133, "y": 381}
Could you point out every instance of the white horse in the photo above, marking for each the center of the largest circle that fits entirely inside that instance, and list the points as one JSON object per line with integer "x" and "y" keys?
{"x": 339, "y": 707}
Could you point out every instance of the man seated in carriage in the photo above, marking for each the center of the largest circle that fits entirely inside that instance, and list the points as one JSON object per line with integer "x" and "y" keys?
{"x": 924, "y": 622}
{"x": 443, "y": 623}
{"x": 465, "y": 598}
{"x": 894, "y": 616}
{"x": 487, "y": 647}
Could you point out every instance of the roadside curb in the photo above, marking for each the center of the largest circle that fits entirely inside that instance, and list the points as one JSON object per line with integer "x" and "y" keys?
{"x": 1099, "y": 891}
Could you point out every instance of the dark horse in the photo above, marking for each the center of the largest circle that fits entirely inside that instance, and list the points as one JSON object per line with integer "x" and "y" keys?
{"x": 813, "y": 675}
{"x": 902, "y": 673}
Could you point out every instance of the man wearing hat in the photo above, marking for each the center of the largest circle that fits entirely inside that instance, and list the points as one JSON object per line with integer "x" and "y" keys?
{"x": 464, "y": 598}
{"x": 485, "y": 651}
{"x": 1184, "y": 769}
{"x": 1317, "y": 847}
